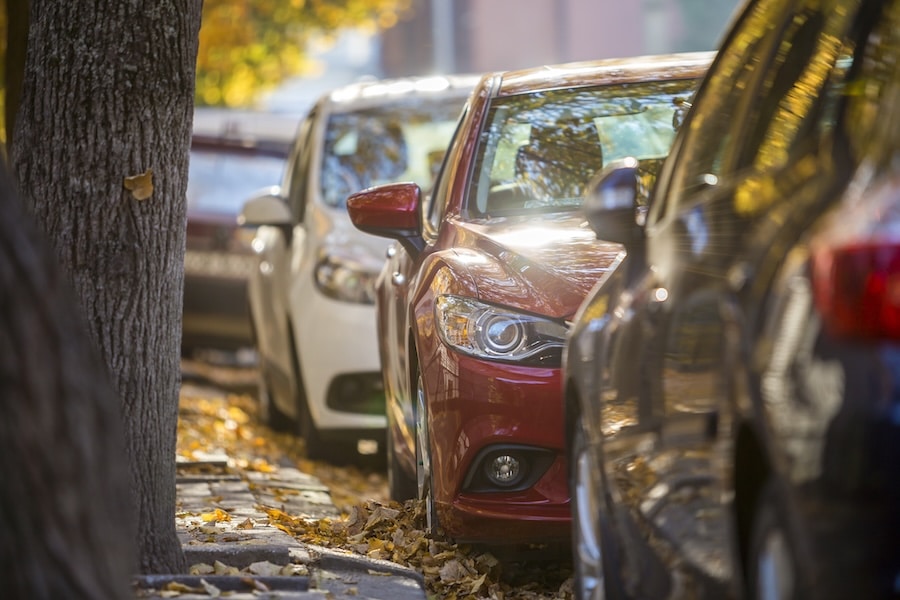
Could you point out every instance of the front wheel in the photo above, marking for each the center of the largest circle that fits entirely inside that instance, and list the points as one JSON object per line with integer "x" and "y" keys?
{"x": 318, "y": 446}
{"x": 772, "y": 565}
{"x": 401, "y": 485}
{"x": 424, "y": 478}
{"x": 269, "y": 414}
{"x": 587, "y": 553}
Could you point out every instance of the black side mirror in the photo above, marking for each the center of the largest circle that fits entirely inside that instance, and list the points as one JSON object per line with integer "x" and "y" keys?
{"x": 611, "y": 202}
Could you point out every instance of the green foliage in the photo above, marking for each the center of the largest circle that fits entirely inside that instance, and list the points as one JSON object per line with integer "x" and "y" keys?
{"x": 250, "y": 46}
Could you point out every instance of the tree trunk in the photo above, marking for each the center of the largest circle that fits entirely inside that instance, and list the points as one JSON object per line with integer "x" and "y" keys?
{"x": 107, "y": 108}
{"x": 65, "y": 528}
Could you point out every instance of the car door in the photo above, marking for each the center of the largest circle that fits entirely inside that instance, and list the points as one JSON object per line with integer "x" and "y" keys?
{"x": 278, "y": 247}
{"x": 746, "y": 148}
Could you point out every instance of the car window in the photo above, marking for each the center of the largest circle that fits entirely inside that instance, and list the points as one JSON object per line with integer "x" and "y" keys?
{"x": 396, "y": 142}
{"x": 220, "y": 182}
{"x": 538, "y": 151}
{"x": 876, "y": 67}
{"x": 796, "y": 105}
{"x": 298, "y": 168}
{"x": 712, "y": 123}
{"x": 435, "y": 204}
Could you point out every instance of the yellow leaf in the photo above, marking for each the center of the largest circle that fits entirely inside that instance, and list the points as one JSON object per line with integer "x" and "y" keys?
{"x": 140, "y": 186}
{"x": 215, "y": 516}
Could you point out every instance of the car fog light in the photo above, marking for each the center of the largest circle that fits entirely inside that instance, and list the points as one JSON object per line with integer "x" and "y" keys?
{"x": 504, "y": 469}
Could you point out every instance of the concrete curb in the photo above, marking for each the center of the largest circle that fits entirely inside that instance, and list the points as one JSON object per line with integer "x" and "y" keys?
{"x": 220, "y": 519}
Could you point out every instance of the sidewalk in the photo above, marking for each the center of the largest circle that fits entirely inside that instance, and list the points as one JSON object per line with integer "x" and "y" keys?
{"x": 233, "y": 550}
{"x": 224, "y": 530}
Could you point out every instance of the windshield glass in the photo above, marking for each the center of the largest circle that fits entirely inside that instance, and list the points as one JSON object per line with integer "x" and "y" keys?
{"x": 220, "y": 182}
{"x": 540, "y": 150}
{"x": 400, "y": 142}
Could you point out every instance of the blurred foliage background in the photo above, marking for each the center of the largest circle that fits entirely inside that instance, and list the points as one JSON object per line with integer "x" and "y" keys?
{"x": 248, "y": 47}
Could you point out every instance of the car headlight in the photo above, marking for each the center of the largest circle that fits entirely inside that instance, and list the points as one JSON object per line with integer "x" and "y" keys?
{"x": 346, "y": 279}
{"x": 498, "y": 333}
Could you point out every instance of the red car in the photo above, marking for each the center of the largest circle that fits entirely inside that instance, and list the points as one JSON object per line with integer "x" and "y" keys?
{"x": 491, "y": 264}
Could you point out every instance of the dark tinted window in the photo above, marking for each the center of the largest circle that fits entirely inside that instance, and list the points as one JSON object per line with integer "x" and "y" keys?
{"x": 713, "y": 127}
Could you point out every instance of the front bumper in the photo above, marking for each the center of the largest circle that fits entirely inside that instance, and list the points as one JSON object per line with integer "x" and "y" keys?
{"x": 476, "y": 406}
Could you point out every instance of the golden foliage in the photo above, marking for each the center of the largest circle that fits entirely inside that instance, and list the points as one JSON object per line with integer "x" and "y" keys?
{"x": 250, "y": 46}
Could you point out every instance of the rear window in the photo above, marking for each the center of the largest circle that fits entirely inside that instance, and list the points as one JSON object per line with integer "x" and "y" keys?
{"x": 220, "y": 182}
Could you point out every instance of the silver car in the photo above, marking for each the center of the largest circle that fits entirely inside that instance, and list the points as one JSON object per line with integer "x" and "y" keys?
{"x": 312, "y": 294}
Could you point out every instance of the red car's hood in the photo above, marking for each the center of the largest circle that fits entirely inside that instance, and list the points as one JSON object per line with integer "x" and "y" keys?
{"x": 543, "y": 263}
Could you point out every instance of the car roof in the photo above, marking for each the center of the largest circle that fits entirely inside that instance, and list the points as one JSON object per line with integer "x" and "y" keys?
{"x": 249, "y": 132}
{"x": 599, "y": 72}
{"x": 378, "y": 92}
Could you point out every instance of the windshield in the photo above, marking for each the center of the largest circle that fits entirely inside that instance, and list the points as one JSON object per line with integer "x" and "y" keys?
{"x": 400, "y": 142}
{"x": 540, "y": 150}
{"x": 220, "y": 182}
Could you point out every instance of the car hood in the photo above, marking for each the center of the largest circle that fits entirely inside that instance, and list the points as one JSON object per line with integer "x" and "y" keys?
{"x": 544, "y": 263}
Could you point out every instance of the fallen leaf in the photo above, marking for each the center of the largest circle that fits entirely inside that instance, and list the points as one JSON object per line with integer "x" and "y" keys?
{"x": 140, "y": 186}
{"x": 210, "y": 589}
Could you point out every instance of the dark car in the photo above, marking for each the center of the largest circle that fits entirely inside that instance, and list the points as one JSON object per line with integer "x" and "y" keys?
{"x": 733, "y": 385}
{"x": 473, "y": 304}
{"x": 232, "y": 156}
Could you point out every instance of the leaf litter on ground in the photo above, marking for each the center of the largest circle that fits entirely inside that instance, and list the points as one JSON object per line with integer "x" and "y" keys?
{"x": 214, "y": 422}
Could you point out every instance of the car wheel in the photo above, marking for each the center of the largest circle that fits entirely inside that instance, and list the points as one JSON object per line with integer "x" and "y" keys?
{"x": 269, "y": 414}
{"x": 772, "y": 566}
{"x": 401, "y": 485}
{"x": 587, "y": 553}
{"x": 424, "y": 478}
{"x": 318, "y": 446}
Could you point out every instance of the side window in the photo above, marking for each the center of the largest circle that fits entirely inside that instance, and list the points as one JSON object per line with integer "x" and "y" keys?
{"x": 436, "y": 203}
{"x": 705, "y": 141}
{"x": 297, "y": 174}
{"x": 794, "y": 109}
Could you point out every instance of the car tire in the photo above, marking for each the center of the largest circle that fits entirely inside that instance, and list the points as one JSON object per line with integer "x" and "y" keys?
{"x": 588, "y": 556}
{"x": 401, "y": 485}
{"x": 269, "y": 414}
{"x": 771, "y": 566}
{"x": 424, "y": 476}
{"x": 318, "y": 446}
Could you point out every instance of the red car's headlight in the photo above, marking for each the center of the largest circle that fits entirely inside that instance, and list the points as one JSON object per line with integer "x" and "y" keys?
{"x": 498, "y": 333}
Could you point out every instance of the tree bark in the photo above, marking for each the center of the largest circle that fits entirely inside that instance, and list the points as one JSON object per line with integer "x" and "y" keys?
{"x": 107, "y": 107}
{"x": 65, "y": 528}
{"x": 16, "y": 37}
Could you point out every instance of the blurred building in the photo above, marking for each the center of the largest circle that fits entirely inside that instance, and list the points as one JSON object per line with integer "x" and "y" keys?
{"x": 456, "y": 36}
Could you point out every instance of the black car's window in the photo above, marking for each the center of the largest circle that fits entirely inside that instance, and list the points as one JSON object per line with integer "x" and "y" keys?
{"x": 298, "y": 168}
{"x": 875, "y": 70}
{"x": 400, "y": 141}
{"x": 712, "y": 127}
{"x": 796, "y": 103}
{"x": 538, "y": 151}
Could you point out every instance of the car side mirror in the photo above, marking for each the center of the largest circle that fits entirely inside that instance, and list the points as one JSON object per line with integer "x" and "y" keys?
{"x": 266, "y": 207}
{"x": 611, "y": 202}
{"x": 393, "y": 211}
